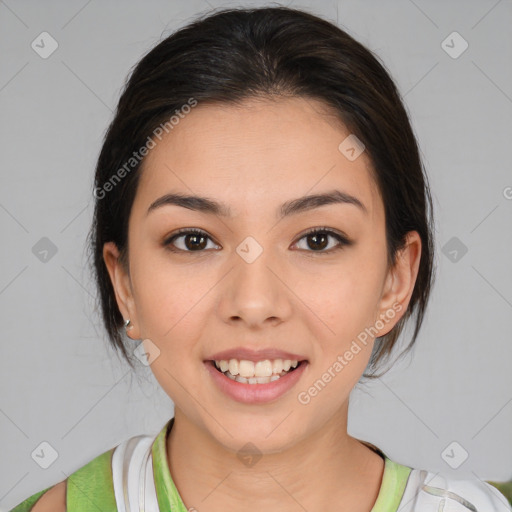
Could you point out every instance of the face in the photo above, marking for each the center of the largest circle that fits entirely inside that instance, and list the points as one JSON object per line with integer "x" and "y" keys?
{"x": 255, "y": 282}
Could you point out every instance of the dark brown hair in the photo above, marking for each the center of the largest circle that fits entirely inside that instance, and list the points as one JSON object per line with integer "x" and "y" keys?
{"x": 234, "y": 54}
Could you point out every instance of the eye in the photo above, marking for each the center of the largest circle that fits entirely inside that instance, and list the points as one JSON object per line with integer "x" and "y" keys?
{"x": 194, "y": 240}
{"x": 317, "y": 239}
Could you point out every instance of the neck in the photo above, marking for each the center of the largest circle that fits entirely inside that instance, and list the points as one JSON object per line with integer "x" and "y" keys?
{"x": 323, "y": 471}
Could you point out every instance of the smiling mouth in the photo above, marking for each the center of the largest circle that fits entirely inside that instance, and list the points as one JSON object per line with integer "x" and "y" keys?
{"x": 273, "y": 371}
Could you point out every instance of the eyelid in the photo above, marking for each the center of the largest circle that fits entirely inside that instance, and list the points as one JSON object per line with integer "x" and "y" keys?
{"x": 184, "y": 231}
{"x": 342, "y": 238}
{"x": 325, "y": 229}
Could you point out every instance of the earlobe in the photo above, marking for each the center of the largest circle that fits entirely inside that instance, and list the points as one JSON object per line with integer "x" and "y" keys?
{"x": 400, "y": 281}
{"x": 121, "y": 283}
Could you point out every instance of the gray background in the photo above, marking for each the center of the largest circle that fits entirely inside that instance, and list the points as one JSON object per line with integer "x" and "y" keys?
{"x": 62, "y": 384}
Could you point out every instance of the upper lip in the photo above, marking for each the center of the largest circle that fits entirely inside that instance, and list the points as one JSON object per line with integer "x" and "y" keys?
{"x": 255, "y": 355}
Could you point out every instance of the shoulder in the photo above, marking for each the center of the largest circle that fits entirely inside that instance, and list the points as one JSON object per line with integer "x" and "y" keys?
{"x": 53, "y": 500}
{"x": 91, "y": 479}
{"x": 102, "y": 479}
{"x": 438, "y": 491}
{"x": 50, "y": 499}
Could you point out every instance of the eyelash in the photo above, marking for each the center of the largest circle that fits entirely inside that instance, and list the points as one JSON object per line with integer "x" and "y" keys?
{"x": 343, "y": 241}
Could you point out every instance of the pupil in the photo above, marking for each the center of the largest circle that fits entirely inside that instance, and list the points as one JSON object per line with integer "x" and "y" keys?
{"x": 315, "y": 237}
{"x": 194, "y": 238}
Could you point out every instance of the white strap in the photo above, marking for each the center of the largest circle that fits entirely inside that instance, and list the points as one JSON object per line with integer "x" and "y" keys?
{"x": 132, "y": 473}
{"x": 426, "y": 491}
{"x": 409, "y": 500}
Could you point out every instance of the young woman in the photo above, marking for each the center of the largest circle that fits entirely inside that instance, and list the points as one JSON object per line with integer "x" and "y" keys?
{"x": 263, "y": 223}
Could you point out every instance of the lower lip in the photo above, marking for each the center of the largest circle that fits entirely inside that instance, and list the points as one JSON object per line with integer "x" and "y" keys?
{"x": 255, "y": 393}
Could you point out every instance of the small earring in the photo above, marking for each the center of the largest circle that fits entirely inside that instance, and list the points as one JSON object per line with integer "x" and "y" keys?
{"x": 127, "y": 323}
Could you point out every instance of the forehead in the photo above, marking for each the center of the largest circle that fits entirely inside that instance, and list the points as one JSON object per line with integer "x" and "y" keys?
{"x": 256, "y": 153}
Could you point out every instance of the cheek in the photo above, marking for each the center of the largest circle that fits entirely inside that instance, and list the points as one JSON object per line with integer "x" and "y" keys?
{"x": 345, "y": 297}
{"x": 168, "y": 299}
{"x": 171, "y": 305}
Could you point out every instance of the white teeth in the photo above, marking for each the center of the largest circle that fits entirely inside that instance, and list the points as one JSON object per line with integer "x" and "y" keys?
{"x": 260, "y": 372}
{"x": 263, "y": 368}
{"x": 277, "y": 366}
{"x": 233, "y": 366}
{"x": 253, "y": 380}
{"x": 246, "y": 368}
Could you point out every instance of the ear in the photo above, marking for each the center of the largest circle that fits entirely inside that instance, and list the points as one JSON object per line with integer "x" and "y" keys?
{"x": 122, "y": 286}
{"x": 399, "y": 284}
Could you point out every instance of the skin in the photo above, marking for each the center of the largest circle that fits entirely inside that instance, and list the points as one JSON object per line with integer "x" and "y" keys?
{"x": 53, "y": 500}
{"x": 192, "y": 304}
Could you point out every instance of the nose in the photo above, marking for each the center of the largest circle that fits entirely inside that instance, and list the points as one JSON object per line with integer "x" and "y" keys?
{"x": 255, "y": 293}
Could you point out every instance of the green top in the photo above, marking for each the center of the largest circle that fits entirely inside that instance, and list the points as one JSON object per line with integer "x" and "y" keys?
{"x": 91, "y": 486}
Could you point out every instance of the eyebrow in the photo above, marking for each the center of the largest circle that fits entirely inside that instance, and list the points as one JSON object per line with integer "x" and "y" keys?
{"x": 294, "y": 206}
